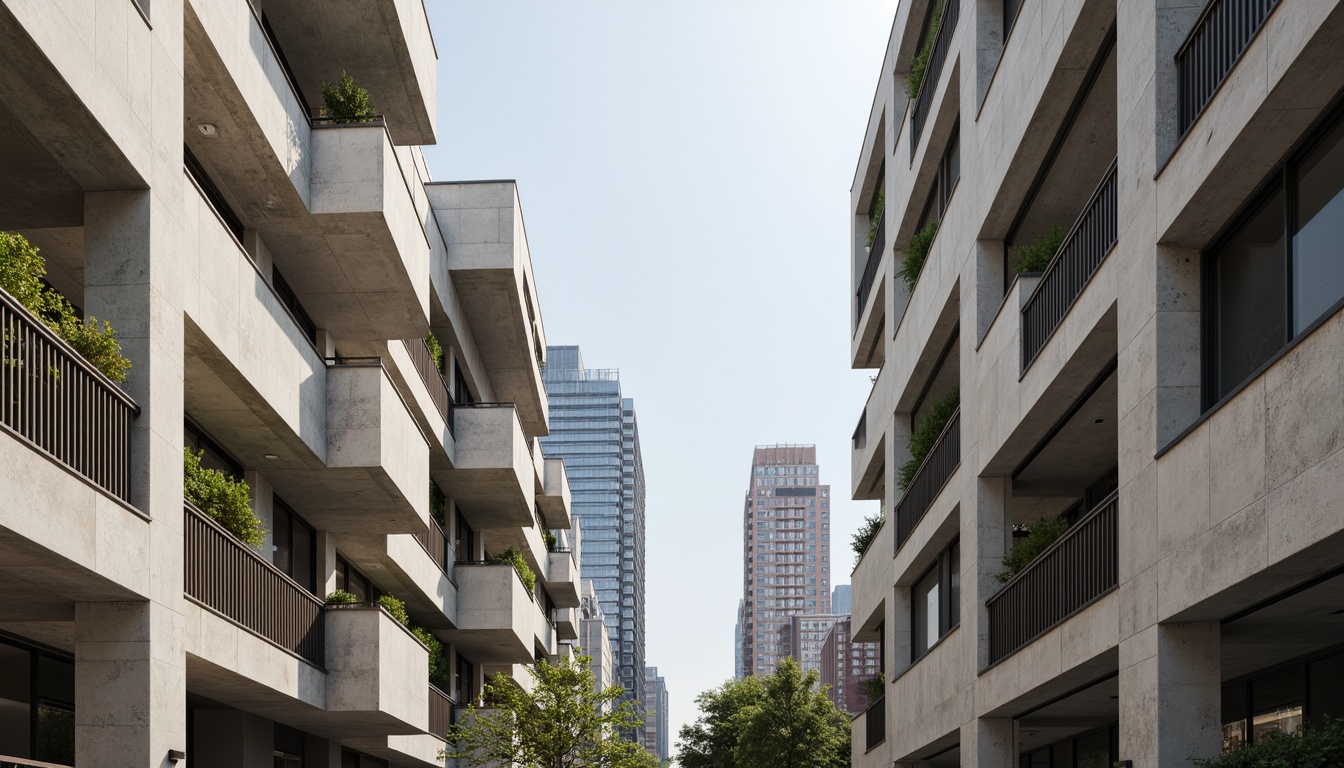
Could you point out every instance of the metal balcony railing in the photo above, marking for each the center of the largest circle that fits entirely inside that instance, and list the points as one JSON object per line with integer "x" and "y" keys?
{"x": 870, "y": 270}
{"x": 440, "y": 550}
{"x": 231, "y": 579}
{"x": 919, "y": 111}
{"x": 875, "y": 723}
{"x": 1077, "y": 569}
{"x": 440, "y": 713}
{"x": 58, "y": 403}
{"x": 433, "y": 380}
{"x": 1213, "y": 47}
{"x": 1086, "y": 245}
{"x": 932, "y": 475}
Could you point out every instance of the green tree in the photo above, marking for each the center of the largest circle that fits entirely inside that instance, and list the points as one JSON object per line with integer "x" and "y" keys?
{"x": 562, "y": 723}
{"x": 346, "y": 102}
{"x": 783, "y": 721}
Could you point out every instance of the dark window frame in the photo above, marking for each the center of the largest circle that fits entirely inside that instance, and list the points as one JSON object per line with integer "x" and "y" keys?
{"x": 290, "y": 519}
{"x": 1282, "y": 178}
{"x": 290, "y": 299}
{"x": 949, "y": 608}
{"x": 203, "y": 441}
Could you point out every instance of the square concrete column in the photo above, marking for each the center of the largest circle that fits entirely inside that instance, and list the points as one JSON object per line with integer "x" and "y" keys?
{"x": 984, "y": 539}
{"x": 989, "y": 742}
{"x": 130, "y": 684}
{"x": 1170, "y": 695}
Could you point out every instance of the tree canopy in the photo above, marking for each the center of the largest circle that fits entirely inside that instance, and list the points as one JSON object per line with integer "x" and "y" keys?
{"x": 781, "y": 721}
{"x": 563, "y": 722}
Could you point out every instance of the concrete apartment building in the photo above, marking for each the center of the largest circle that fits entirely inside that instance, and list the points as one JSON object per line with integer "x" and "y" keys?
{"x": 594, "y": 641}
{"x": 802, "y": 636}
{"x": 262, "y": 267}
{"x": 786, "y": 538}
{"x": 847, "y": 666}
{"x": 655, "y": 714}
{"x": 595, "y": 432}
{"x": 1165, "y": 381}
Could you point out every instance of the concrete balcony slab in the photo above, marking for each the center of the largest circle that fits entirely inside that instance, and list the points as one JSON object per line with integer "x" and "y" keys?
{"x": 567, "y": 624}
{"x": 562, "y": 579}
{"x": 490, "y": 265}
{"x": 402, "y": 565}
{"x": 498, "y": 622}
{"x": 554, "y": 497}
{"x": 385, "y": 45}
{"x": 376, "y": 669}
{"x": 492, "y": 479}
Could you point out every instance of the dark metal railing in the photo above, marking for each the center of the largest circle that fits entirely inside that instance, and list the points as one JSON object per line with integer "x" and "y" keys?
{"x": 870, "y": 269}
{"x": 231, "y": 579}
{"x": 1077, "y": 569}
{"x": 18, "y": 762}
{"x": 1213, "y": 47}
{"x": 433, "y": 379}
{"x": 875, "y": 723}
{"x": 436, "y": 544}
{"x": 440, "y": 713}
{"x": 60, "y": 404}
{"x": 929, "y": 479}
{"x": 1086, "y": 245}
{"x": 919, "y": 111}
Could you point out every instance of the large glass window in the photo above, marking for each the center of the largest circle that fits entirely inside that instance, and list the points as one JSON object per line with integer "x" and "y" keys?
{"x": 37, "y": 705}
{"x": 1279, "y": 268}
{"x": 295, "y": 546}
{"x": 935, "y": 601}
{"x": 945, "y": 181}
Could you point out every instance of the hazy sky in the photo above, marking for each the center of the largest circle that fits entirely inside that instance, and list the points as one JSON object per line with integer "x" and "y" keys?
{"x": 684, "y": 169}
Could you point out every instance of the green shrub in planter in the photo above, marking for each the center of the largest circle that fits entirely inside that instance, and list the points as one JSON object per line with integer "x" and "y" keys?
{"x": 1042, "y": 532}
{"x": 21, "y": 271}
{"x": 346, "y": 102}
{"x": 921, "y": 62}
{"x": 916, "y": 252}
{"x": 435, "y": 350}
{"x": 227, "y": 501}
{"x": 926, "y": 434}
{"x": 1037, "y": 256}
{"x": 865, "y": 535}
{"x": 875, "y": 687}
{"x": 875, "y": 216}
{"x": 514, "y": 556}
{"x": 1311, "y": 748}
{"x": 395, "y": 607}
{"x": 438, "y": 666}
{"x": 551, "y": 541}
{"x": 438, "y": 507}
{"x": 341, "y": 597}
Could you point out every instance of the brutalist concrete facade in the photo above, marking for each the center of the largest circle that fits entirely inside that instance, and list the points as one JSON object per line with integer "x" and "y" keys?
{"x": 271, "y": 275}
{"x": 1159, "y": 375}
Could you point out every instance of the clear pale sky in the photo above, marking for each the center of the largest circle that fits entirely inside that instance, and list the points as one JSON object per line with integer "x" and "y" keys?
{"x": 684, "y": 169}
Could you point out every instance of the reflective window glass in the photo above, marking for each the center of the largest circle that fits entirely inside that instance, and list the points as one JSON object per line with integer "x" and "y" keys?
{"x": 1250, "y": 296}
{"x": 1318, "y": 264}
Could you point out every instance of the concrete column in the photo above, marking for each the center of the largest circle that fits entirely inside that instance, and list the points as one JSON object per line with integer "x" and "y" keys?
{"x": 984, "y": 539}
{"x": 1170, "y": 695}
{"x": 263, "y": 506}
{"x": 988, "y": 282}
{"x": 230, "y": 738}
{"x": 130, "y": 684}
{"x": 989, "y": 742}
{"x": 988, "y": 46}
{"x": 898, "y": 632}
{"x": 326, "y": 562}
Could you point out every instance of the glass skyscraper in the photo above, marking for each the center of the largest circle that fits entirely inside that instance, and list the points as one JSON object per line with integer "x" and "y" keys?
{"x": 594, "y": 430}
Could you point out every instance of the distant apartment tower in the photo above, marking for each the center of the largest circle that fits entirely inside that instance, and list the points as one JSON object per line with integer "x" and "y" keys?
{"x": 786, "y": 549}
{"x": 593, "y": 639}
{"x": 594, "y": 430}
{"x": 802, "y": 635}
{"x": 840, "y": 600}
{"x": 847, "y": 666}
{"x": 737, "y": 643}
{"x": 655, "y": 713}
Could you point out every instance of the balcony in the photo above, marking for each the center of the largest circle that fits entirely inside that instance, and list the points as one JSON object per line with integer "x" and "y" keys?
{"x": 875, "y": 724}
{"x": 562, "y": 578}
{"x": 554, "y": 497}
{"x": 567, "y": 623}
{"x": 869, "y": 442}
{"x": 1076, "y": 570}
{"x": 376, "y": 669}
{"x": 875, "y": 252}
{"x": 493, "y": 475}
{"x": 385, "y": 45}
{"x": 432, "y": 378}
{"x": 491, "y": 268}
{"x": 1215, "y": 44}
{"x": 943, "y": 460}
{"x": 440, "y": 713}
{"x": 919, "y": 111}
{"x": 231, "y": 579}
{"x": 498, "y": 621}
{"x": 1086, "y": 245}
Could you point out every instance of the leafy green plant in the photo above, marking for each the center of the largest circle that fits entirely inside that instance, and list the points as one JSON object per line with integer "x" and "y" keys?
{"x": 341, "y": 597}
{"x": 514, "y": 557}
{"x": 1042, "y": 532}
{"x": 438, "y": 665}
{"x": 926, "y": 435}
{"x": 438, "y": 507}
{"x": 21, "y": 271}
{"x": 863, "y": 539}
{"x": 916, "y": 252}
{"x": 226, "y": 500}
{"x": 1311, "y": 748}
{"x": 346, "y": 102}
{"x": 875, "y": 686}
{"x": 551, "y": 541}
{"x": 875, "y": 215}
{"x": 921, "y": 63}
{"x": 435, "y": 350}
{"x": 395, "y": 607}
{"x": 1038, "y": 255}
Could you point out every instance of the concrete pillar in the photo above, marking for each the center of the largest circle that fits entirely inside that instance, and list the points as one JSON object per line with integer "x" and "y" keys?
{"x": 326, "y": 562}
{"x": 988, "y": 296}
{"x": 263, "y": 506}
{"x": 130, "y": 684}
{"x": 1170, "y": 695}
{"x": 898, "y": 632}
{"x": 230, "y": 738}
{"x": 984, "y": 540}
{"x": 989, "y": 742}
{"x": 988, "y": 46}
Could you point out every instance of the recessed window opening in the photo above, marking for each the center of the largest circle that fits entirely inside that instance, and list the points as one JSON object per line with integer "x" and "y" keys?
{"x": 935, "y": 602}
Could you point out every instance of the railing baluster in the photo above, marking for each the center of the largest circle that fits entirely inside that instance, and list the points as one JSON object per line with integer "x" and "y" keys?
{"x": 929, "y": 479}
{"x": 1214, "y": 45}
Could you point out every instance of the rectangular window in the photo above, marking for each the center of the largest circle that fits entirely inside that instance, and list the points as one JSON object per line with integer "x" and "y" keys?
{"x": 945, "y": 180}
{"x": 295, "y": 544}
{"x": 935, "y": 601}
{"x": 291, "y": 302}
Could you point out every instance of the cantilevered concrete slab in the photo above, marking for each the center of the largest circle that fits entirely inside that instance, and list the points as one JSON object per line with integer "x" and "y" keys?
{"x": 384, "y": 45}
{"x": 498, "y": 622}
{"x": 490, "y": 265}
{"x": 554, "y": 499}
{"x": 562, "y": 579}
{"x": 492, "y": 479}
{"x": 377, "y": 669}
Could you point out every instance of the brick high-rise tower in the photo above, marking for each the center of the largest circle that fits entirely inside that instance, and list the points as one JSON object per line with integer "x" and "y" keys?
{"x": 786, "y": 549}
